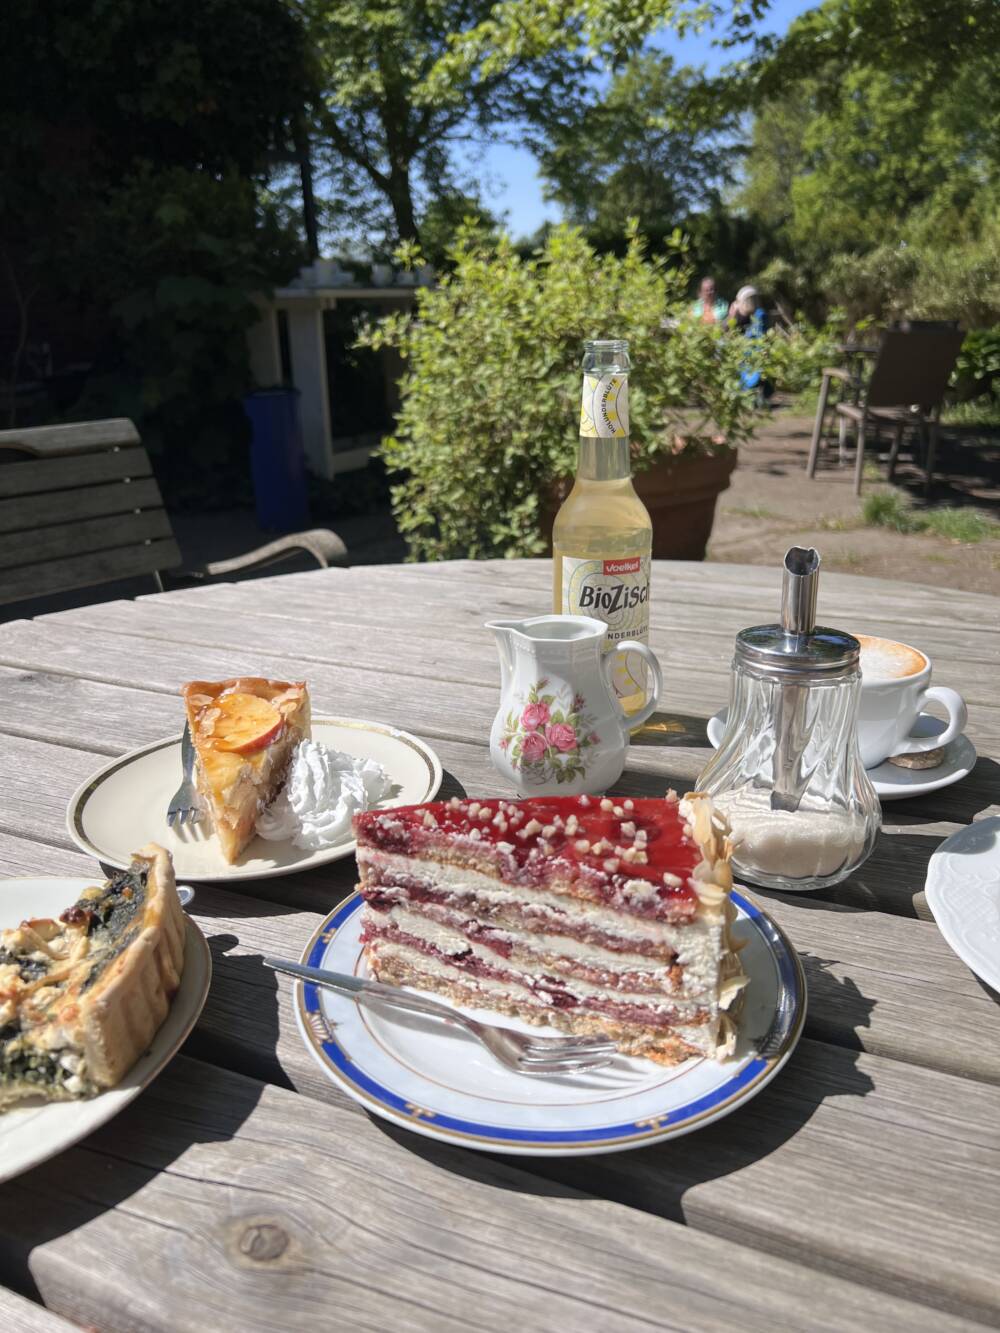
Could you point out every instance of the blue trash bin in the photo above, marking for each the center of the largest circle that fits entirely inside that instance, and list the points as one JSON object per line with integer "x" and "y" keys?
{"x": 277, "y": 459}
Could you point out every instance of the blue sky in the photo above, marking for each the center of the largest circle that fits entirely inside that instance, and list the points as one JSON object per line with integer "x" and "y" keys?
{"x": 509, "y": 175}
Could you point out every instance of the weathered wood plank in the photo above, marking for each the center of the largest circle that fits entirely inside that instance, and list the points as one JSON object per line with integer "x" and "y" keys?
{"x": 83, "y": 571}
{"x": 85, "y": 714}
{"x": 868, "y": 974}
{"x": 744, "y": 589}
{"x": 865, "y": 1001}
{"x": 850, "y": 1163}
{"x": 347, "y": 1222}
{"x": 415, "y": 689}
{"x": 328, "y": 631}
{"x": 26, "y": 513}
{"x": 72, "y": 438}
{"x": 58, "y": 474}
{"x": 111, "y": 719}
{"x": 75, "y": 539}
{"x": 19, "y": 1315}
{"x": 432, "y": 707}
{"x": 850, "y": 1129}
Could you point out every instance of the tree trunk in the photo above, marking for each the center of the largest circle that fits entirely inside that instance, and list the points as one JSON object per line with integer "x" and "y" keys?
{"x": 401, "y": 198}
{"x": 304, "y": 159}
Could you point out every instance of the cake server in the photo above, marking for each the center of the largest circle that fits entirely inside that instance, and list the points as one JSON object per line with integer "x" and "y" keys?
{"x": 523, "y": 1054}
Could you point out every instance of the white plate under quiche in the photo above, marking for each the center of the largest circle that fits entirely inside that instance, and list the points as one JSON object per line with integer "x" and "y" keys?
{"x": 32, "y": 1132}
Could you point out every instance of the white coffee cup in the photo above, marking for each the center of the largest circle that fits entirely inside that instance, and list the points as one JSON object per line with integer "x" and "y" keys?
{"x": 895, "y": 690}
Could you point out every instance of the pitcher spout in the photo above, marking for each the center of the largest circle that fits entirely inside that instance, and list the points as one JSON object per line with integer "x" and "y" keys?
{"x": 503, "y": 631}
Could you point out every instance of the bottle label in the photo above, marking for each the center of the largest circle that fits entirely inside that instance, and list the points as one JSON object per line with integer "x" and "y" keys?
{"x": 617, "y": 592}
{"x": 604, "y": 410}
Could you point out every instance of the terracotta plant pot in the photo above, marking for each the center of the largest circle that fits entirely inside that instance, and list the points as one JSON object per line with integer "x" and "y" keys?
{"x": 680, "y": 494}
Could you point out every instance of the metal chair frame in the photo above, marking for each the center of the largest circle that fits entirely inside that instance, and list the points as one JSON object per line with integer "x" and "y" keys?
{"x": 906, "y": 388}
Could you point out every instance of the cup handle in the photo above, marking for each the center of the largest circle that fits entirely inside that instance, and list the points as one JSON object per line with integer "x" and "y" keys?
{"x": 958, "y": 716}
{"x": 634, "y": 646}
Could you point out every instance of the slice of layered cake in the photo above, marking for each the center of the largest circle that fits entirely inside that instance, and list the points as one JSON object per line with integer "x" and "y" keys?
{"x": 595, "y": 916}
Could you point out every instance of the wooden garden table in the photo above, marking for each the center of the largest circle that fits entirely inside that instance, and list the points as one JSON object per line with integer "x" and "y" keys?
{"x": 242, "y": 1190}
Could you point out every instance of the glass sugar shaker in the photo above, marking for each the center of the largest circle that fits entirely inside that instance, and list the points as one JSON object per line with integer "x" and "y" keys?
{"x": 788, "y": 774}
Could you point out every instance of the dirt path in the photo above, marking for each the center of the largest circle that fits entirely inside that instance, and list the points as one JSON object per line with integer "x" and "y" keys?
{"x": 771, "y": 505}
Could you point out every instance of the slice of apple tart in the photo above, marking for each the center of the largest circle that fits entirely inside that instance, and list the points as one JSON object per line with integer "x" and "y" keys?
{"x": 82, "y": 997}
{"x": 244, "y": 733}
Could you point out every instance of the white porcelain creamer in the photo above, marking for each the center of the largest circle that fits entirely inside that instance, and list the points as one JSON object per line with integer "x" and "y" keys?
{"x": 560, "y": 729}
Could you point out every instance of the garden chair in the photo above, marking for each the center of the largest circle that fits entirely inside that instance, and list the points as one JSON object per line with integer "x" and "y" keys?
{"x": 79, "y": 507}
{"x": 906, "y": 386}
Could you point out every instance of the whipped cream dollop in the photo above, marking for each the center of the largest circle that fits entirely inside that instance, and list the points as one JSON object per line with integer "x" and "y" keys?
{"x": 323, "y": 792}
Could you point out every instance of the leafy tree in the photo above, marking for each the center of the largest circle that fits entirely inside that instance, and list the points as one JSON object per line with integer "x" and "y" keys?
{"x": 635, "y": 152}
{"x": 775, "y": 157}
{"x": 385, "y": 125}
{"x": 873, "y": 170}
{"x": 443, "y": 219}
{"x": 511, "y": 32}
{"x": 889, "y": 148}
{"x": 133, "y": 138}
{"x": 909, "y": 38}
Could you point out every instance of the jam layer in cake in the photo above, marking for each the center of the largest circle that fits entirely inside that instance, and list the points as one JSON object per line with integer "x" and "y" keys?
{"x": 596, "y": 916}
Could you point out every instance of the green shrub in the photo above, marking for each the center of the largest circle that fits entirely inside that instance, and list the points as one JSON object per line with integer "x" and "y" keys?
{"x": 490, "y": 396}
{"x": 983, "y": 413}
{"x": 977, "y": 371}
{"x": 888, "y": 509}
{"x": 960, "y": 525}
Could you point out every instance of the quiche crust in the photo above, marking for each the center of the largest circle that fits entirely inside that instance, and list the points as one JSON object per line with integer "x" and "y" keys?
{"x": 82, "y": 997}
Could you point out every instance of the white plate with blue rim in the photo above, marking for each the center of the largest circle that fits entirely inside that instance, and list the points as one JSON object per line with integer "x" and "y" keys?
{"x": 33, "y": 1131}
{"x": 963, "y": 893}
{"x": 438, "y": 1081}
{"x": 891, "y": 782}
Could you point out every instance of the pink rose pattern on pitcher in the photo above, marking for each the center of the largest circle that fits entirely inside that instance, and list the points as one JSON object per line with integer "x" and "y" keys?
{"x": 547, "y": 739}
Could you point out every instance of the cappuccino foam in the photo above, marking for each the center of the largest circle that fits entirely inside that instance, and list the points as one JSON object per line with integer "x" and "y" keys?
{"x": 885, "y": 659}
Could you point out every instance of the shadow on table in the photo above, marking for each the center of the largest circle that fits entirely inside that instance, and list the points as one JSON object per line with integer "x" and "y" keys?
{"x": 672, "y": 729}
{"x": 893, "y": 877}
{"x": 450, "y": 786}
{"x": 960, "y": 803}
{"x": 658, "y": 1179}
{"x": 889, "y": 881}
{"x": 239, "y": 1028}
{"x": 178, "y": 1109}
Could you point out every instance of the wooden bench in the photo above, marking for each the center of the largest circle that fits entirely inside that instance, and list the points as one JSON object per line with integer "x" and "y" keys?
{"x": 79, "y": 506}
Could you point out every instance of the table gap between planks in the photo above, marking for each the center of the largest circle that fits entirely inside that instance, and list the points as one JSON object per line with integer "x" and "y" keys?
{"x": 243, "y": 1190}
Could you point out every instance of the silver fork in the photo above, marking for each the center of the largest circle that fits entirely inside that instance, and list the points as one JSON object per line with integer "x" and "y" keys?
{"x": 535, "y": 1056}
{"x": 184, "y": 807}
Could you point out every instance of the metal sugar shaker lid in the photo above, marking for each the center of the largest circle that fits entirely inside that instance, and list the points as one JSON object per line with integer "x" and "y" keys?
{"x": 798, "y": 648}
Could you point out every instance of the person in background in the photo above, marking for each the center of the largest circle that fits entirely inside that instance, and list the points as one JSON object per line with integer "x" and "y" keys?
{"x": 747, "y": 313}
{"x": 748, "y": 316}
{"x": 708, "y": 307}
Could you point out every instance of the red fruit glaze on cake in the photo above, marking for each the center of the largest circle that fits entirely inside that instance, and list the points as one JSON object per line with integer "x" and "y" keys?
{"x": 599, "y": 845}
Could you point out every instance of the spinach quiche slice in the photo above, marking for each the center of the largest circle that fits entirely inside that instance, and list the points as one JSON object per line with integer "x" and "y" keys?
{"x": 81, "y": 998}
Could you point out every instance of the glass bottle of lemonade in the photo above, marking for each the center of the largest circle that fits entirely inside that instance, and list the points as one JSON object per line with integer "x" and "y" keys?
{"x": 603, "y": 534}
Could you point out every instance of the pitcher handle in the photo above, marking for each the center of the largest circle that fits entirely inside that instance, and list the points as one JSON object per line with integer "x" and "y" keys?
{"x": 634, "y": 646}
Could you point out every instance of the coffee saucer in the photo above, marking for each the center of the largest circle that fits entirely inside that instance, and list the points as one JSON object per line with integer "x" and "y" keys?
{"x": 898, "y": 784}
